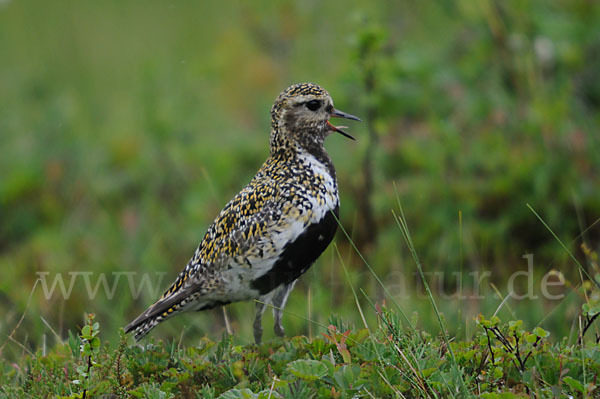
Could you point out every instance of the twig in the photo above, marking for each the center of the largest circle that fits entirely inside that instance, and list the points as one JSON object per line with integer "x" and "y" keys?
{"x": 588, "y": 324}
{"x": 10, "y": 336}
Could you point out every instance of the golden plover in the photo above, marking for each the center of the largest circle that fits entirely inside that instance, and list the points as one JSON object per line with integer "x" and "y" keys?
{"x": 269, "y": 234}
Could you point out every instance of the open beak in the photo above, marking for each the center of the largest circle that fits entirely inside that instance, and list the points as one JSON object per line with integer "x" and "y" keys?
{"x": 339, "y": 114}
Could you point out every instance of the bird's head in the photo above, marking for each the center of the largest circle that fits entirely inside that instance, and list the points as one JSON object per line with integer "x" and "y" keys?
{"x": 300, "y": 115}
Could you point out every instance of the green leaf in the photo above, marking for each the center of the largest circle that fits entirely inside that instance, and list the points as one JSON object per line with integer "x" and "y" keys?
{"x": 484, "y": 323}
{"x": 591, "y": 309}
{"x": 540, "y": 332}
{"x": 503, "y": 395}
{"x": 317, "y": 346}
{"x": 86, "y": 350}
{"x": 360, "y": 336}
{"x": 531, "y": 338}
{"x": 95, "y": 342}
{"x": 86, "y": 332}
{"x": 483, "y": 340}
{"x": 346, "y": 376}
{"x": 307, "y": 369}
{"x": 468, "y": 355}
{"x": 574, "y": 384}
{"x": 429, "y": 371}
{"x": 498, "y": 372}
{"x": 345, "y": 355}
{"x": 268, "y": 394}
{"x": 238, "y": 394}
{"x": 515, "y": 325}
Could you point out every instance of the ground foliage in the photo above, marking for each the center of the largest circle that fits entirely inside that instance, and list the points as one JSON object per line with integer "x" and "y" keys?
{"x": 389, "y": 361}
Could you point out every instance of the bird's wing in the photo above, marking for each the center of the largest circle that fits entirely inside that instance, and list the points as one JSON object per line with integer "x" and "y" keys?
{"x": 234, "y": 235}
{"x": 241, "y": 236}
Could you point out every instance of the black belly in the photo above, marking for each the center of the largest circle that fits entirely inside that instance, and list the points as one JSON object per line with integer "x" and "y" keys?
{"x": 299, "y": 255}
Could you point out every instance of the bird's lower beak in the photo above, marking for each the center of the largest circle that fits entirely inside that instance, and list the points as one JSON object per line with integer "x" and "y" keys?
{"x": 339, "y": 114}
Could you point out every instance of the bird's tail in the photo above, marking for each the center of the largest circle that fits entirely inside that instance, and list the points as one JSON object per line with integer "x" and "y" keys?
{"x": 143, "y": 324}
{"x": 172, "y": 303}
{"x": 141, "y": 329}
{"x": 163, "y": 309}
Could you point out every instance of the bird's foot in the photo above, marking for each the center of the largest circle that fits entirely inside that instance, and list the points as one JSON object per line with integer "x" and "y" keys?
{"x": 258, "y": 333}
{"x": 279, "y": 330}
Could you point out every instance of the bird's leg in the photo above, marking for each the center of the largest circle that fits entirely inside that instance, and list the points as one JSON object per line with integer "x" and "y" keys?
{"x": 279, "y": 301}
{"x": 260, "y": 310}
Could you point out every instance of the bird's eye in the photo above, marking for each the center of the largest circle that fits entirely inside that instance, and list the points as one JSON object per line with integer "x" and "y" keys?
{"x": 313, "y": 105}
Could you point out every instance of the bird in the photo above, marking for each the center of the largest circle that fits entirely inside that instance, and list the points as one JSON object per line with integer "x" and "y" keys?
{"x": 274, "y": 229}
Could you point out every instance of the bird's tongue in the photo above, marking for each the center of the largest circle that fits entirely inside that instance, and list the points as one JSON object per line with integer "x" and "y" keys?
{"x": 339, "y": 130}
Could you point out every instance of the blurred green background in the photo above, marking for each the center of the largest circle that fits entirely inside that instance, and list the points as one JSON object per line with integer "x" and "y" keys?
{"x": 126, "y": 126}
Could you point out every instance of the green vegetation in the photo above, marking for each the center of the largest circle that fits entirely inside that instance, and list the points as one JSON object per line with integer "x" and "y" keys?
{"x": 385, "y": 362}
{"x": 124, "y": 128}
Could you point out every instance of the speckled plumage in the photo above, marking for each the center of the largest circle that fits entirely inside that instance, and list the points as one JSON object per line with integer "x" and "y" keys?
{"x": 274, "y": 229}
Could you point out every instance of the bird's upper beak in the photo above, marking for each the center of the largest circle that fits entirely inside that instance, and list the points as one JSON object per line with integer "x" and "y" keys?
{"x": 339, "y": 114}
